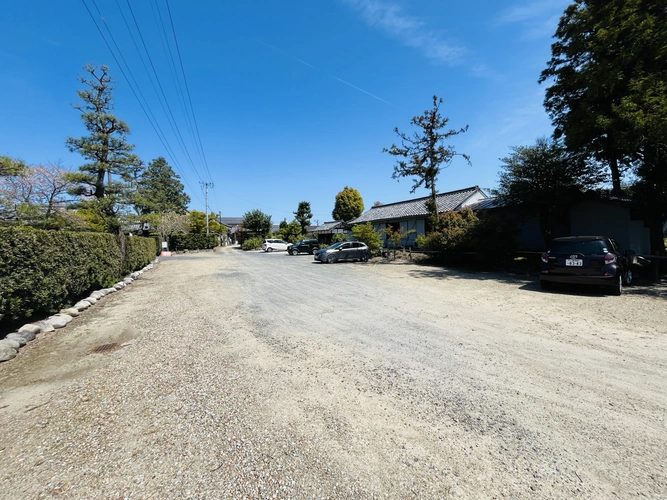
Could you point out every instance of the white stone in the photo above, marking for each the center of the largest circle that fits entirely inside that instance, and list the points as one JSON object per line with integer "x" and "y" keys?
{"x": 46, "y": 326}
{"x": 82, "y": 305}
{"x": 108, "y": 290}
{"x": 30, "y": 328}
{"x": 14, "y": 344}
{"x": 57, "y": 321}
{"x": 21, "y": 339}
{"x": 66, "y": 317}
{"x": 92, "y": 300}
{"x": 97, "y": 295}
{"x": 70, "y": 311}
{"x": 7, "y": 353}
{"x": 28, "y": 336}
{"x": 128, "y": 280}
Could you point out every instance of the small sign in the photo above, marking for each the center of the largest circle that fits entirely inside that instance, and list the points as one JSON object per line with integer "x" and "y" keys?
{"x": 164, "y": 244}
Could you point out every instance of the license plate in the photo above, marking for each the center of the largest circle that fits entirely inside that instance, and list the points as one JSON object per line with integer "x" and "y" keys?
{"x": 574, "y": 262}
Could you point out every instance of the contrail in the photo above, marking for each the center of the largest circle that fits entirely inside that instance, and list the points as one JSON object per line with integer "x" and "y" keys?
{"x": 330, "y": 76}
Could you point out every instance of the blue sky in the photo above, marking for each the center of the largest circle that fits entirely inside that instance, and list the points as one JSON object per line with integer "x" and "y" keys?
{"x": 293, "y": 100}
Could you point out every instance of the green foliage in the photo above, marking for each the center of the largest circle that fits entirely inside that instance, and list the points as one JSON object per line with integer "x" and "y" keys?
{"x": 11, "y": 166}
{"x": 456, "y": 233}
{"x": 338, "y": 237}
{"x": 291, "y": 233}
{"x": 251, "y": 244}
{"x": 423, "y": 155}
{"x": 43, "y": 271}
{"x": 139, "y": 252}
{"x": 397, "y": 236}
{"x": 544, "y": 179}
{"x": 257, "y": 223}
{"x": 198, "y": 223}
{"x": 303, "y": 216}
{"x": 192, "y": 241}
{"x": 160, "y": 190}
{"x": 367, "y": 234}
{"x": 349, "y": 205}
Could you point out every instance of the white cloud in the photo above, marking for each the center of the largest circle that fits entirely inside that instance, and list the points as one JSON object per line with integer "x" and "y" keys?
{"x": 539, "y": 18}
{"x": 409, "y": 30}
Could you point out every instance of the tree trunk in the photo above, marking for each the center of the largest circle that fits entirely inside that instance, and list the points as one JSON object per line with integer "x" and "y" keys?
{"x": 615, "y": 175}
{"x": 99, "y": 185}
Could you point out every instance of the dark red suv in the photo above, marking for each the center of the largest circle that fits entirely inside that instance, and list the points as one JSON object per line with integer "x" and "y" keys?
{"x": 586, "y": 260}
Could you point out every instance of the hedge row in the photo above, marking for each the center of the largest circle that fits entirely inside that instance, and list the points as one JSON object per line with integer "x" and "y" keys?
{"x": 193, "y": 241}
{"x": 43, "y": 271}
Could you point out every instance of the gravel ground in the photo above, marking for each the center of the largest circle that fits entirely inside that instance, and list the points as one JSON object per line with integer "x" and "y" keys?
{"x": 270, "y": 376}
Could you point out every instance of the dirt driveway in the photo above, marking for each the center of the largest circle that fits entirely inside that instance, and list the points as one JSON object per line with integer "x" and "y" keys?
{"x": 267, "y": 375}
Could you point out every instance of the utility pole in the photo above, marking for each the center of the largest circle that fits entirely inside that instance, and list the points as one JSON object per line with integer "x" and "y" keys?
{"x": 206, "y": 185}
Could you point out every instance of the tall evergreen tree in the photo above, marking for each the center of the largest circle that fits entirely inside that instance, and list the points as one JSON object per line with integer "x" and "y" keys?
{"x": 160, "y": 190}
{"x": 348, "y": 206}
{"x": 608, "y": 93}
{"x": 303, "y": 215}
{"x": 106, "y": 147}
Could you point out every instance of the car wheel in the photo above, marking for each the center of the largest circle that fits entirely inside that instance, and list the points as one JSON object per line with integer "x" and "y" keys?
{"x": 269, "y": 249}
{"x": 313, "y": 250}
{"x": 545, "y": 285}
{"x": 618, "y": 287}
{"x": 628, "y": 277}
{"x": 364, "y": 258}
{"x": 293, "y": 252}
{"x": 331, "y": 259}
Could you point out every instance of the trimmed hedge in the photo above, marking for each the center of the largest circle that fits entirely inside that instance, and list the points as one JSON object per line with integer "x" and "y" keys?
{"x": 192, "y": 241}
{"x": 43, "y": 271}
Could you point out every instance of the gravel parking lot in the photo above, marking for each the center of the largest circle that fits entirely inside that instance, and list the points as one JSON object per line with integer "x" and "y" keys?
{"x": 272, "y": 376}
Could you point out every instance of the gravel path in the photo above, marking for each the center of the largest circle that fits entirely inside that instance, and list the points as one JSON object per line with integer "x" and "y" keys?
{"x": 270, "y": 376}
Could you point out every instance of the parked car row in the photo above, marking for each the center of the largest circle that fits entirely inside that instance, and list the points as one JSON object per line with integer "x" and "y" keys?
{"x": 338, "y": 252}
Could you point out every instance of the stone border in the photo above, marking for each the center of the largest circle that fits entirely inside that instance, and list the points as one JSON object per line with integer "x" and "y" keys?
{"x": 12, "y": 342}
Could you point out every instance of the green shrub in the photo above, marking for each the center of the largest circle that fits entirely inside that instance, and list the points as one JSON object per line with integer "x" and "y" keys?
{"x": 139, "y": 252}
{"x": 43, "y": 271}
{"x": 338, "y": 237}
{"x": 367, "y": 234}
{"x": 192, "y": 241}
{"x": 251, "y": 244}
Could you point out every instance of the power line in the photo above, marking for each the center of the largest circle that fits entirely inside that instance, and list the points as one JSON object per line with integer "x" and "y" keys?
{"x": 148, "y": 113}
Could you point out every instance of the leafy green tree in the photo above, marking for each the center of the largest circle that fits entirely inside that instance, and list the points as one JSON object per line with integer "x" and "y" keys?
{"x": 291, "y": 232}
{"x": 544, "y": 179}
{"x": 105, "y": 147}
{"x": 348, "y": 206}
{"x": 339, "y": 237}
{"x": 198, "y": 223}
{"x": 303, "y": 215}
{"x": 257, "y": 223}
{"x": 456, "y": 233}
{"x": 367, "y": 234}
{"x": 424, "y": 154}
{"x": 160, "y": 189}
{"x": 608, "y": 93}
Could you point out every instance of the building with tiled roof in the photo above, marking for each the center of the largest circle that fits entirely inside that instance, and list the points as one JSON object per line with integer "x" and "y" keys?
{"x": 412, "y": 214}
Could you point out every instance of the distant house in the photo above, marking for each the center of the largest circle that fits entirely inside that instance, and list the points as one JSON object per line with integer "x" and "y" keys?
{"x": 232, "y": 224}
{"x": 326, "y": 231}
{"x": 413, "y": 215}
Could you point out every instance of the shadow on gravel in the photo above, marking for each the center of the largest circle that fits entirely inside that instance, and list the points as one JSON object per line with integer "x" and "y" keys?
{"x": 532, "y": 283}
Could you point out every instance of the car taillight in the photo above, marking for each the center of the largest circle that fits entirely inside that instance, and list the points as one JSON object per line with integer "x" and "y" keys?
{"x": 610, "y": 258}
{"x": 545, "y": 258}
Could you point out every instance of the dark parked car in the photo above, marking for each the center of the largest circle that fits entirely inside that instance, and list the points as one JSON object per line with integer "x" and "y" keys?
{"x": 305, "y": 246}
{"x": 347, "y": 250}
{"x": 586, "y": 260}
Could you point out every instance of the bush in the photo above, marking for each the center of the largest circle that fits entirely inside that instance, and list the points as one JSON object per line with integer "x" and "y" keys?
{"x": 139, "y": 252}
{"x": 192, "y": 241}
{"x": 455, "y": 233}
{"x": 368, "y": 235}
{"x": 43, "y": 271}
{"x": 338, "y": 237}
{"x": 251, "y": 244}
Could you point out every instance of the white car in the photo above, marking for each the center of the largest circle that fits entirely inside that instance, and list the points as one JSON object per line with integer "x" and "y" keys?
{"x": 271, "y": 245}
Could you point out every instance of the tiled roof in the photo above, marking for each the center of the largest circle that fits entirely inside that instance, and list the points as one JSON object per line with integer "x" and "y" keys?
{"x": 452, "y": 200}
{"x": 486, "y": 204}
{"x": 327, "y": 226}
{"x": 231, "y": 221}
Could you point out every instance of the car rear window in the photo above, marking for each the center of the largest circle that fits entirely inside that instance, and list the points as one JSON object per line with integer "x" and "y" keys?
{"x": 590, "y": 247}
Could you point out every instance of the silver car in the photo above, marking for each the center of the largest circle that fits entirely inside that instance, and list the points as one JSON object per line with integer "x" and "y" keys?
{"x": 346, "y": 250}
